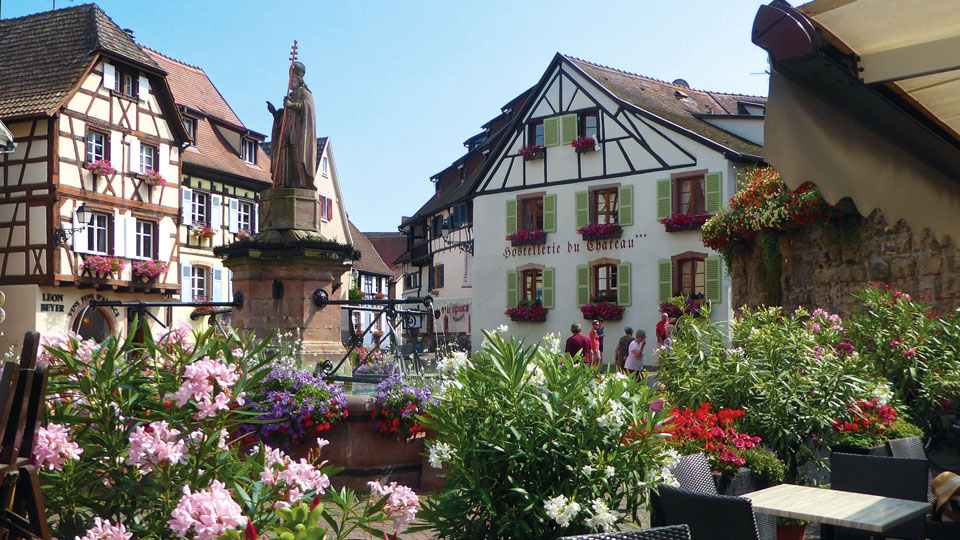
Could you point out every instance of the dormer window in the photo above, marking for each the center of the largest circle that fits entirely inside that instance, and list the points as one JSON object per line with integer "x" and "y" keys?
{"x": 250, "y": 151}
{"x": 191, "y": 126}
{"x": 126, "y": 83}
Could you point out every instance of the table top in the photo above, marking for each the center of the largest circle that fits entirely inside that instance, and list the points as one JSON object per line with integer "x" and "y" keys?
{"x": 832, "y": 507}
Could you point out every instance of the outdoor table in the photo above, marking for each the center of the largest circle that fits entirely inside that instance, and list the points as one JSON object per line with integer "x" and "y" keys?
{"x": 833, "y": 507}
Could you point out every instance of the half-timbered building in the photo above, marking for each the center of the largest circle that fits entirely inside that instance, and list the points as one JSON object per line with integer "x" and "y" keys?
{"x": 574, "y": 197}
{"x": 224, "y": 169}
{"x": 89, "y": 200}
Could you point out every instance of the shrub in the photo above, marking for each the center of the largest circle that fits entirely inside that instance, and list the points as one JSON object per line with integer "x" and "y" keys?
{"x": 536, "y": 447}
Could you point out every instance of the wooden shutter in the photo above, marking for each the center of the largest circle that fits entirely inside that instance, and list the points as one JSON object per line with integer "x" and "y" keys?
{"x": 143, "y": 91}
{"x": 217, "y": 291}
{"x": 119, "y": 228}
{"x": 233, "y": 215}
{"x": 80, "y": 237}
{"x": 548, "y": 288}
{"x": 511, "y": 216}
{"x": 229, "y": 285}
{"x": 109, "y": 76}
{"x": 624, "y": 284}
{"x": 568, "y": 128}
{"x": 551, "y": 131}
{"x": 216, "y": 212}
{"x": 664, "y": 198}
{"x": 713, "y": 187}
{"x": 625, "y": 205}
{"x": 130, "y": 224}
{"x": 665, "y": 278}
{"x": 256, "y": 217}
{"x": 583, "y": 284}
{"x": 164, "y": 244}
{"x": 440, "y": 276}
{"x": 186, "y": 205}
{"x": 133, "y": 161}
{"x": 431, "y": 278}
{"x": 713, "y": 274}
{"x": 329, "y": 207}
{"x": 163, "y": 162}
{"x": 550, "y": 213}
{"x": 581, "y": 202}
{"x": 512, "y": 288}
{"x": 186, "y": 282}
{"x": 116, "y": 150}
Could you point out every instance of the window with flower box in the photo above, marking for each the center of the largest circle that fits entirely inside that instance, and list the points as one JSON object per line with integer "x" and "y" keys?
{"x": 531, "y": 284}
{"x": 535, "y": 135}
{"x": 97, "y": 147}
{"x": 604, "y": 206}
{"x": 199, "y": 212}
{"x": 590, "y": 124}
{"x": 691, "y": 275}
{"x": 148, "y": 158}
{"x": 534, "y": 212}
{"x": 146, "y": 239}
{"x": 604, "y": 281}
{"x": 98, "y": 234}
{"x": 685, "y": 200}
{"x": 603, "y": 211}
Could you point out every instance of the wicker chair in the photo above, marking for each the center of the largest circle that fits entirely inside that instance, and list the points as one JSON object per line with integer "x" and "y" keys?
{"x": 710, "y": 517}
{"x": 902, "y": 478}
{"x": 911, "y": 447}
{"x": 693, "y": 473}
{"x": 673, "y": 532}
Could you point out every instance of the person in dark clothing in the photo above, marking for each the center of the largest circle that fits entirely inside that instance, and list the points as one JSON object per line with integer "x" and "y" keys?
{"x": 578, "y": 343}
{"x": 623, "y": 347}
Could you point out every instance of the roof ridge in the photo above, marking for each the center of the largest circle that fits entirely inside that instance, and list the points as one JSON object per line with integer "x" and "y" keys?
{"x": 49, "y": 11}
{"x": 660, "y": 81}
{"x": 172, "y": 59}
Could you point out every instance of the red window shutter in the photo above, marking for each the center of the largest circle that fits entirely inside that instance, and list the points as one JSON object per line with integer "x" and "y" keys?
{"x": 329, "y": 208}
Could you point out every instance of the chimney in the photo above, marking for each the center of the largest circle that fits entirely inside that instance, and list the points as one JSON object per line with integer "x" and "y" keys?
{"x": 129, "y": 32}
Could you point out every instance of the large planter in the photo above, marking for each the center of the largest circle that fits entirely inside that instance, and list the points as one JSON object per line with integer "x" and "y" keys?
{"x": 791, "y": 532}
{"x": 745, "y": 481}
{"x": 608, "y": 236}
{"x": 539, "y": 153}
{"x": 364, "y": 454}
{"x": 687, "y": 227}
{"x": 431, "y": 479}
{"x": 879, "y": 450}
{"x": 542, "y": 318}
{"x": 599, "y": 318}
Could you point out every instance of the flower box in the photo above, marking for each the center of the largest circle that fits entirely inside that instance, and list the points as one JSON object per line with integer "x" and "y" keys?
{"x": 527, "y": 312}
{"x": 100, "y": 167}
{"x": 604, "y": 311}
{"x": 101, "y": 266}
{"x": 584, "y": 144}
{"x": 601, "y": 231}
{"x": 526, "y": 238}
{"x": 152, "y": 178}
{"x": 147, "y": 271}
{"x": 531, "y": 152}
{"x": 685, "y": 222}
{"x": 201, "y": 231}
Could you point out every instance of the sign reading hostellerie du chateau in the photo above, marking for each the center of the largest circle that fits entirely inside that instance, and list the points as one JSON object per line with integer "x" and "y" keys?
{"x": 557, "y": 248}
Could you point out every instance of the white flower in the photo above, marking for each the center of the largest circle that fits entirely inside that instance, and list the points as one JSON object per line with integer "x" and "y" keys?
{"x": 450, "y": 364}
{"x": 502, "y": 329}
{"x": 664, "y": 476}
{"x": 440, "y": 452}
{"x": 883, "y": 394}
{"x": 586, "y": 470}
{"x": 612, "y": 419}
{"x": 560, "y": 510}
{"x": 535, "y": 375}
{"x": 551, "y": 343}
{"x": 610, "y": 471}
{"x": 602, "y": 518}
{"x": 670, "y": 458}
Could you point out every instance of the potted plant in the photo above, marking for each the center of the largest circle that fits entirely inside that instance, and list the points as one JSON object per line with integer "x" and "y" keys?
{"x": 523, "y": 238}
{"x": 867, "y": 427}
{"x": 685, "y": 222}
{"x": 531, "y": 152}
{"x": 791, "y": 529}
{"x": 101, "y": 266}
{"x": 584, "y": 144}
{"x": 399, "y": 407}
{"x": 147, "y": 271}
{"x": 152, "y": 178}
{"x": 527, "y": 311}
{"x": 600, "y": 231}
{"x": 680, "y": 305}
{"x": 243, "y": 234}
{"x": 201, "y": 231}
{"x": 100, "y": 167}
{"x": 602, "y": 310}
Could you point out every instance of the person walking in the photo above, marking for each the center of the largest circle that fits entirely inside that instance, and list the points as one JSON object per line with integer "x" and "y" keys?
{"x": 577, "y": 343}
{"x": 634, "y": 363}
{"x": 600, "y": 334}
{"x": 668, "y": 337}
{"x": 623, "y": 347}
{"x": 595, "y": 357}
{"x": 660, "y": 327}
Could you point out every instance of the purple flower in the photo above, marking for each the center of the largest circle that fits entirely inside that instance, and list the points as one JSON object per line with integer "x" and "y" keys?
{"x": 656, "y": 405}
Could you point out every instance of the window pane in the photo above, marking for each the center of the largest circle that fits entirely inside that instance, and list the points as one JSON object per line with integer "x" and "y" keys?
{"x": 591, "y": 126}
{"x": 538, "y": 134}
{"x": 199, "y": 208}
{"x": 95, "y": 146}
{"x": 147, "y": 154}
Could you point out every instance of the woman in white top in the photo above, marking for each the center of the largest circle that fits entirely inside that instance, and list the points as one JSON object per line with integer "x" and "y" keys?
{"x": 668, "y": 337}
{"x": 634, "y": 363}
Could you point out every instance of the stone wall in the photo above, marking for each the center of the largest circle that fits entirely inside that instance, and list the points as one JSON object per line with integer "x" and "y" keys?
{"x": 822, "y": 266}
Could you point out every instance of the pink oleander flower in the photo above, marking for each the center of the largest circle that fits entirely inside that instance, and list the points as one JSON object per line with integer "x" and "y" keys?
{"x": 154, "y": 444}
{"x": 402, "y": 502}
{"x": 815, "y": 327}
{"x": 818, "y": 312}
{"x": 910, "y": 352}
{"x": 54, "y": 447}
{"x": 103, "y": 530}
{"x": 82, "y": 350}
{"x": 305, "y": 477}
{"x": 198, "y": 384}
{"x": 210, "y": 513}
{"x": 181, "y": 336}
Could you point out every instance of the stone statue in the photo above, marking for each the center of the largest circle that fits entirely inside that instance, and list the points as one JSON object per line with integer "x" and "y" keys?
{"x": 293, "y": 141}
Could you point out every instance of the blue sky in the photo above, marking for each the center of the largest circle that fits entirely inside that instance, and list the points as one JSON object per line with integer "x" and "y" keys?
{"x": 400, "y": 85}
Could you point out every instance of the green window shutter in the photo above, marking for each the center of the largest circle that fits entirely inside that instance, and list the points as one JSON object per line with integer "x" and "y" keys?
{"x": 550, "y": 213}
{"x": 624, "y": 288}
{"x": 511, "y": 288}
{"x": 665, "y": 275}
{"x": 581, "y": 201}
{"x": 713, "y": 273}
{"x": 548, "y": 294}
{"x": 583, "y": 284}
{"x": 568, "y": 128}
{"x": 511, "y": 216}
{"x": 551, "y": 131}
{"x": 712, "y": 186}
{"x": 664, "y": 198}
{"x": 625, "y": 205}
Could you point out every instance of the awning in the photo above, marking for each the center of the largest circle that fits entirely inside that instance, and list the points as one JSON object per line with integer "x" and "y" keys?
{"x": 865, "y": 102}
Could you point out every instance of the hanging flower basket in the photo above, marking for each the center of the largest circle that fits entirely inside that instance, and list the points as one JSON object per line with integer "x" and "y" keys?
{"x": 153, "y": 178}
{"x": 601, "y": 232}
{"x": 526, "y": 238}
{"x": 202, "y": 232}
{"x": 147, "y": 271}
{"x": 100, "y": 167}
{"x": 584, "y": 144}
{"x": 685, "y": 222}
{"x": 101, "y": 266}
{"x": 203, "y": 309}
{"x": 604, "y": 311}
{"x": 527, "y": 311}
{"x": 531, "y": 152}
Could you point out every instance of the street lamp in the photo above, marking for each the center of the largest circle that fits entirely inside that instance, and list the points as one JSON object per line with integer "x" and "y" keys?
{"x": 83, "y": 215}
{"x": 445, "y": 230}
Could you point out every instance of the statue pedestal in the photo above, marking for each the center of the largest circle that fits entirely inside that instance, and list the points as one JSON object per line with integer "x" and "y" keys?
{"x": 289, "y": 208}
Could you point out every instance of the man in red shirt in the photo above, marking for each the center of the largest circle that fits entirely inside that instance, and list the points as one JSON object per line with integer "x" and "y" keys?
{"x": 578, "y": 343}
{"x": 661, "y": 332}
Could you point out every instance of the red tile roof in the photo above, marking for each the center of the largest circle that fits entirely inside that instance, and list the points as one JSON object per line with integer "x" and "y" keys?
{"x": 390, "y": 245}
{"x": 370, "y": 260}
{"x": 192, "y": 88}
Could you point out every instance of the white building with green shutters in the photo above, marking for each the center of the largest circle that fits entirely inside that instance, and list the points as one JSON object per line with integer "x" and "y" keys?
{"x": 568, "y": 211}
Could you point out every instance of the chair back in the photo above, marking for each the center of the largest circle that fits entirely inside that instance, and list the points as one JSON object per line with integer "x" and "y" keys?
{"x": 672, "y": 532}
{"x": 16, "y": 422}
{"x": 694, "y": 474}
{"x": 710, "y": 517}
{"x": 911, "y": 447}
{"x": 38, "y": 394}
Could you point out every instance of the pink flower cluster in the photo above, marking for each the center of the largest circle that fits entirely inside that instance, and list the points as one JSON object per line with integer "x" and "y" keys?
{"x": 100, "y": 166}
{"x": 102, "y": 264}
{"x": 295, "y": 478}
{"x": 103, "y": 530}
{"x": 67, "y": 341}
{"x": 210, "y": 513}
{"x": 148, "y": 269}
{"x": 402, "y": 502}
{"x": 155, "y": 444}
{"x": 181, "y": 336}
{"x": 54, "y": 447}
{"x": 198, "y": 384}
{"x": 823, "y": 319}
{"x": 154, "y": 178}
